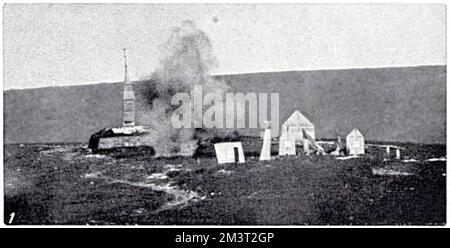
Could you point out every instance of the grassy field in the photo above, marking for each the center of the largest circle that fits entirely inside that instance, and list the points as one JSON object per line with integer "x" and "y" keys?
{"x": 66, "y": 184}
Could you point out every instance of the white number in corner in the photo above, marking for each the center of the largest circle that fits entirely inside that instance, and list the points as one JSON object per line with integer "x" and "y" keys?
{"x": 11, "y": 217}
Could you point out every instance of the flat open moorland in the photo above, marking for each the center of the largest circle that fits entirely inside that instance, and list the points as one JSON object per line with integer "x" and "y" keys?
{"x": 67, "y": 184}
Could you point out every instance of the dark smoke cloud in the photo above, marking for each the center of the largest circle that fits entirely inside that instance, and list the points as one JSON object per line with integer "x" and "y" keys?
{"x": 186, "y": 60}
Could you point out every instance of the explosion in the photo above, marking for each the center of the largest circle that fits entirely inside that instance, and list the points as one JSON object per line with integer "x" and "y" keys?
{"x": 187, "y": 60}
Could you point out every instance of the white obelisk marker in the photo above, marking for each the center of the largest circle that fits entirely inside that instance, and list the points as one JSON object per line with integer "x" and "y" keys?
{"x": 397, "y": 153}
{"x": 265, "y": 151}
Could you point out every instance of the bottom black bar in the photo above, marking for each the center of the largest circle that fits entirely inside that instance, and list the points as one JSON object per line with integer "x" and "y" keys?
{"x": 227, "y": 237}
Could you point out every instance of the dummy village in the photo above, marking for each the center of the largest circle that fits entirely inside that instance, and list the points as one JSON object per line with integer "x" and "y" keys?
{"x": 328, "y": 161}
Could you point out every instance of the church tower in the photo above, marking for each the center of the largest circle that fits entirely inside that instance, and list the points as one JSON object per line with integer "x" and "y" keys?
{"x": 128, "y": 107}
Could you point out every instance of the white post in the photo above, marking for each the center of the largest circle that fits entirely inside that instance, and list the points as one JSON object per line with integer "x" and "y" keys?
{"x": 306, "y": 146}
{"x": 265, "y": 151}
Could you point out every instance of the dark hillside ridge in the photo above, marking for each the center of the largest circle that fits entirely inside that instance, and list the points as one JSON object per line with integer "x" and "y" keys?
{"x": 404, "y": 104}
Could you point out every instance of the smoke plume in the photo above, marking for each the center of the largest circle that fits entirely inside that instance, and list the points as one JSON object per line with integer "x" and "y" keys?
{"x": 187, "y": 60}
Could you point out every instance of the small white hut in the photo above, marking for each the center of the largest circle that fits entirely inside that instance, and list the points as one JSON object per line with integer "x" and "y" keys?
{"x": 229, "y": 152}
{"x": 294, "y": 125}
{"x": 355, "y": 142}
{"x": 286, "y": 145}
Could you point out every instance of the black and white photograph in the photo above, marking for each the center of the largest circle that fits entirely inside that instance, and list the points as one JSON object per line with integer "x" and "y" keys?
{"x": 224, "y": 114}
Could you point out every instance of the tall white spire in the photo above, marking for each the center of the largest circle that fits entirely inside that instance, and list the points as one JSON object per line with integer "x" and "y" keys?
{"x": 128, "y": 98}
{"x": 127, "y": 78}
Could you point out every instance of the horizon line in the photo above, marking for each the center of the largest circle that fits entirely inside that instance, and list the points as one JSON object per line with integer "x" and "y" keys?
{"x": 107, "y": 81}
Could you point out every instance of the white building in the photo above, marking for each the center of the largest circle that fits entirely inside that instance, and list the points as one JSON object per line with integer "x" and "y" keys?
{"x": 294, "y": 125}
{"x": 286, "y": 145}
{"x": 355, "y": 142}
